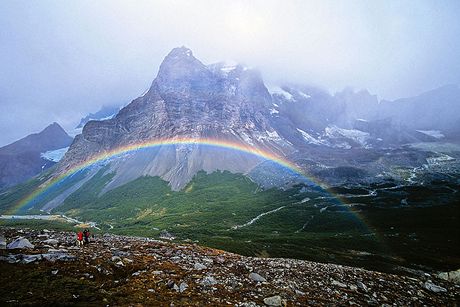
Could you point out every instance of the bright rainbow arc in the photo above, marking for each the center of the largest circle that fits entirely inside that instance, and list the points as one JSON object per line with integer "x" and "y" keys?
{"x": 266, "y": 155}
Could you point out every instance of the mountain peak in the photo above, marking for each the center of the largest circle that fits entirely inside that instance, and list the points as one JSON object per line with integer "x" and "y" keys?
{"x": 53, "y": 128}
{"x": 179, "y": 68}
{"x": 180, "y": 52}
{"x": 178, "y": 57}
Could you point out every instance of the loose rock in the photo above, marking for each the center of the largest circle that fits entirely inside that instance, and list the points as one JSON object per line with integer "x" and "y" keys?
{"x": 273, "y": 301}
{"x": 362, "y": 286}
{"x": 452, "y": 276}
{"x": 182, "y": 287}
{"x": 51, "y": 242}
{"x": 154, "y": 268}
{"x": 20, "y": 243}
{"x": 339, "y": 284}
{"x": 208, "y": 281}
{"x": 256, "y": 277}
{"x": 199, "y": 266}
{"x": 434, "y": 288}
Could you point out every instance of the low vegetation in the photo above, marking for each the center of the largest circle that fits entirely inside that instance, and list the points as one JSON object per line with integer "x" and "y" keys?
{"x": 375, "y": 232}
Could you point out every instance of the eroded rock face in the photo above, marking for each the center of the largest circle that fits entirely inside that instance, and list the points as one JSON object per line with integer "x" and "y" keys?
{"x": 186, "y": 100}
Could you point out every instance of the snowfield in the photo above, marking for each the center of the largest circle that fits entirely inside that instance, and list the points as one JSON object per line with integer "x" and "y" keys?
{"x": 54, "y": 155}
{"x": 357, "y": 136}
{"x": 307, "y": 137}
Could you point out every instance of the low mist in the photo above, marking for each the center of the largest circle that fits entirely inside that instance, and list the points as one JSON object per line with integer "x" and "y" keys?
{"x": 63, "y": 60}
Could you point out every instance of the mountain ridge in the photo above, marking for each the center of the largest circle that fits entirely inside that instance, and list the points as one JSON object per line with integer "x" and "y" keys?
{"x": 187, "y": 99}
{"x": 22, "y": 159}
{"x": 329, "y": 138}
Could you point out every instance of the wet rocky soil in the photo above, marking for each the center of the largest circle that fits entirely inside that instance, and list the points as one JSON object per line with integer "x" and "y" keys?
{"x": 131, "y": 271}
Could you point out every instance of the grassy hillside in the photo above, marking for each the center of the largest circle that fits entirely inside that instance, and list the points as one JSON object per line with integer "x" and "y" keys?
{"x": 300, "y": 223}
{"x": 321, "y": 228}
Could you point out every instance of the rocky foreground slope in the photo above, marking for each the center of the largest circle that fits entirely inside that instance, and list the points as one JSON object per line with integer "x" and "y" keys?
{"x": 119, "y": 270}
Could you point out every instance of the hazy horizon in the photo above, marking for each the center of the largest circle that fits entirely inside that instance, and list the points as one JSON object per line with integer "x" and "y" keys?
{"x": 62, "y": 60}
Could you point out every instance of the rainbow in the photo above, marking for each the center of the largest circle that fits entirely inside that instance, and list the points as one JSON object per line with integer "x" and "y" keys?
{"x": 264, "y": 154}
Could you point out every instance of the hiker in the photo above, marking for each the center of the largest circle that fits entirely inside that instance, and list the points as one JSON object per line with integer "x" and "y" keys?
{"x": 86, "y": 235}
{"x": 79, "y": 238}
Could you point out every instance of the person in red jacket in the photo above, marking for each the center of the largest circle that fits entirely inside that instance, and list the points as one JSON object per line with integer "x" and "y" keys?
{"x": 79, "y": 238}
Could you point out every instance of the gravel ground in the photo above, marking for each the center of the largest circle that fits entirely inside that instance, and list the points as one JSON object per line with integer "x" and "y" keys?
{"x": 130, "y": 271}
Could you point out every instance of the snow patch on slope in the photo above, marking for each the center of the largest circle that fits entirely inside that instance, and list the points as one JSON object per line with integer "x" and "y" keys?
{"x": 54, "y": 155}
{"x": 433, "y": 133}
{"x": 227, "y": 69}
{"x": 306, "y": 96}
{"x": 357, "y": 136}
{"x": 273, "y": 135}
{"x": 279, "y": 91}
{"x": 307, "y": 137}
{"x": 73, "y": 133}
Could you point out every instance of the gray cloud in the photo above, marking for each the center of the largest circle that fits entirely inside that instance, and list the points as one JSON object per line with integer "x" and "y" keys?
{"x": 63, "y": 59}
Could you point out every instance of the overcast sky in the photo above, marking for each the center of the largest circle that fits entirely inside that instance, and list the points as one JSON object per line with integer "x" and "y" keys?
{"x": 60, "y": 60}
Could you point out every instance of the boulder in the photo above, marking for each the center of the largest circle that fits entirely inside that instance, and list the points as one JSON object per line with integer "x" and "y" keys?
{"x": 31, "y": 258}
{"x": 199, "y": 266}
{"x": 208, "y": 281}
{"x": 116, "y": 259}
{"x": 434, "y": 288}
{"x": 256, "y": 277}
{"x": 51, "y": 242}
{"x": 58, "y": 257}
{"x": 182, "y": 287}
{"x": 20, "y": 243}
{"x": 9, "y": 258}
{"x": 452, "y": 276}
{"x": 273, "y": 301}
{"x": 338, "y": 283}
{"x": 362, "y": 286}
{"x": 120, "y": 253}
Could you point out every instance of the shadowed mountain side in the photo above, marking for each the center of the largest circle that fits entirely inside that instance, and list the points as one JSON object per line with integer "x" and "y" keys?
{"x": 22, "y": 159}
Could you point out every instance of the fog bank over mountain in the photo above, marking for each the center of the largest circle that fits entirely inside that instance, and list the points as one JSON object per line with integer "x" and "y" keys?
{"x": 62, "y": 61}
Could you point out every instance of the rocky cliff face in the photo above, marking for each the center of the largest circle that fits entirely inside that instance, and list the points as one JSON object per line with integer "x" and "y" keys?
{"x": 186, "y": 100}
{"x": 320, "y": 132}
{"x": 22, "y": 159}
